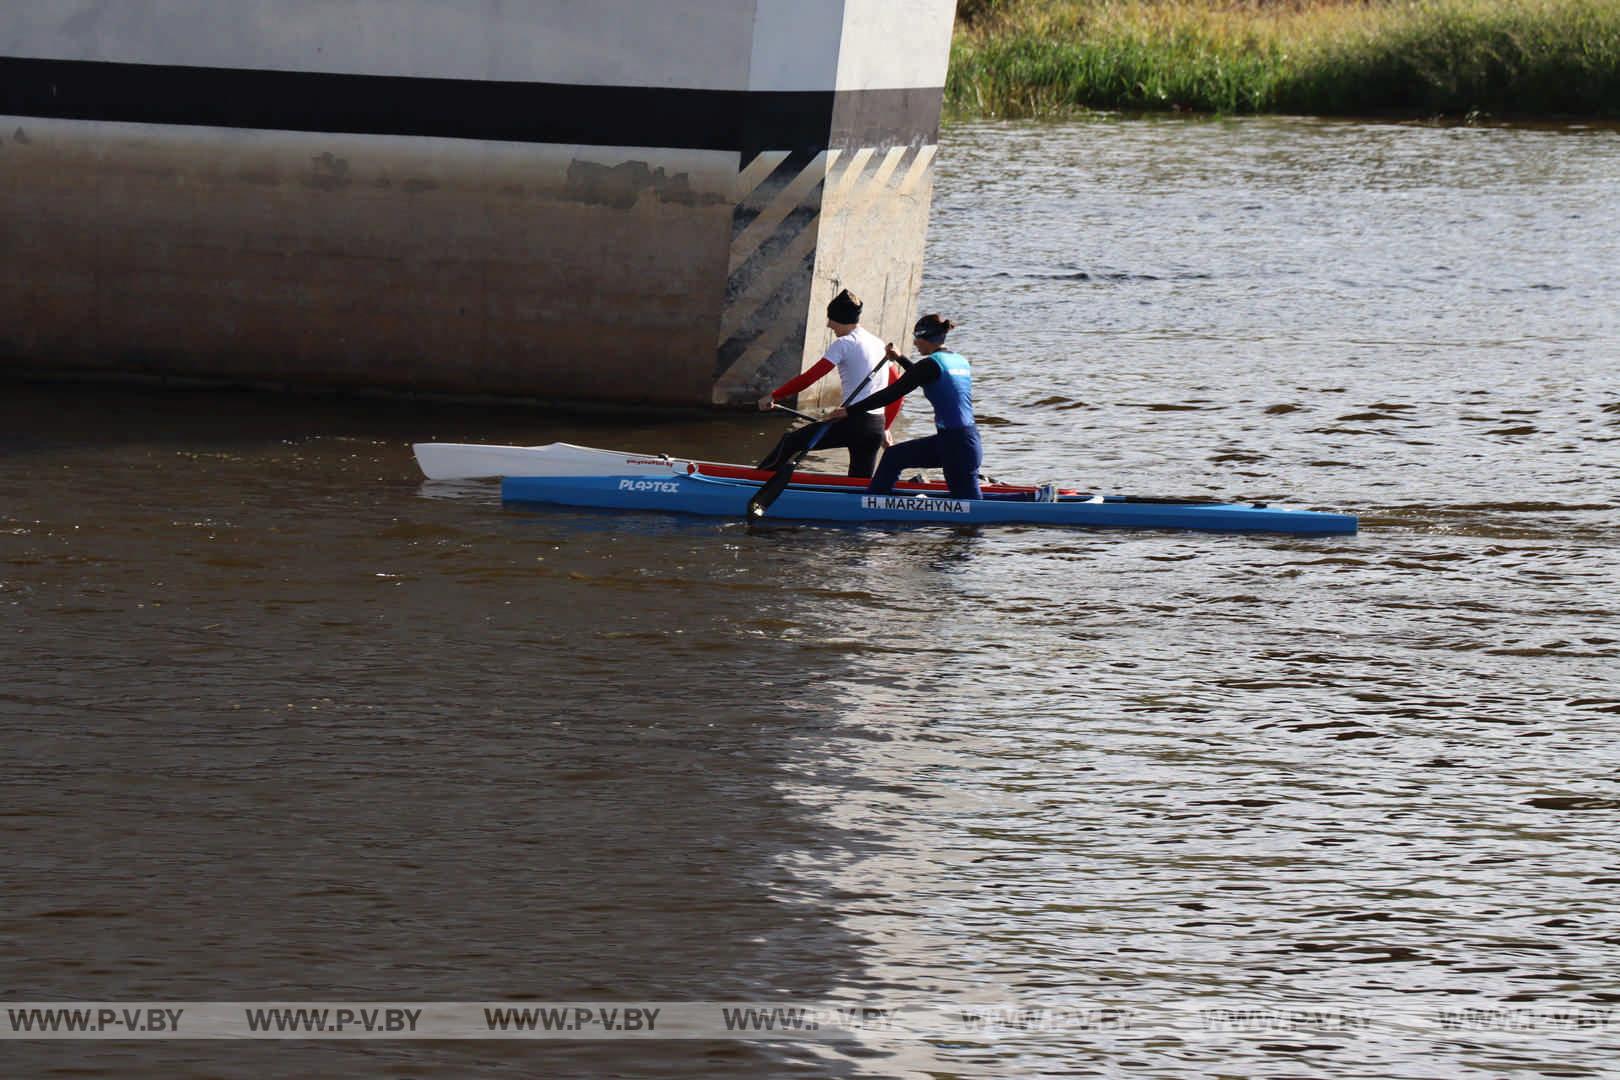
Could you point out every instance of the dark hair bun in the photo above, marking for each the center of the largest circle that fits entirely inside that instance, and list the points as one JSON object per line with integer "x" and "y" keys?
{"x": 845, "y": 308}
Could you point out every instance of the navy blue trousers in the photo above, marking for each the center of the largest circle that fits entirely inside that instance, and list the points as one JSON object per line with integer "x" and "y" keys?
{"x": 957, "y": 451}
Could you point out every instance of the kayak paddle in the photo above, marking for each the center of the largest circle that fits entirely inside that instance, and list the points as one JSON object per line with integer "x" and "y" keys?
{"x": 783, "y": 476}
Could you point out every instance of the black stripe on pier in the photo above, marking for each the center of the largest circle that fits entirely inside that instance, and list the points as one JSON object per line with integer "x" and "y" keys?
{"x": 801, "y": 121}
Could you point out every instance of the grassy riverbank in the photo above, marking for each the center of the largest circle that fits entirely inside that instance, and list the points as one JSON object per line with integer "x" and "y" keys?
{"x": 1508, "y": 58}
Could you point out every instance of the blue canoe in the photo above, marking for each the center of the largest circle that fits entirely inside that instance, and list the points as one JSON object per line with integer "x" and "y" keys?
{"x": 721, "y": 497}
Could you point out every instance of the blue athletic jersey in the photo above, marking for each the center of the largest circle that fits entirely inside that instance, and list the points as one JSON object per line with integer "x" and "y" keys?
{"x": 951, "y": 394}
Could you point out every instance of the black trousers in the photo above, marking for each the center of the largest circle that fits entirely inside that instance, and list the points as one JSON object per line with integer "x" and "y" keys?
{"x": 861, "y": 433}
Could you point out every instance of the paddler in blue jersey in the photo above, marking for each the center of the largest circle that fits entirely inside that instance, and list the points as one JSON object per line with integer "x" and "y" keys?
{"x": 947, "y": 383}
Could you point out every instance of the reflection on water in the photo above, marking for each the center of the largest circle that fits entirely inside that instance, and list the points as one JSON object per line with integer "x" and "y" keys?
{"x": 285, "y": 722}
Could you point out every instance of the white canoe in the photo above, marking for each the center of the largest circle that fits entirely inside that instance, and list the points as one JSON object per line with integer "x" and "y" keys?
{"x": 474, "y": 461}
{"x": 478, "y": 461}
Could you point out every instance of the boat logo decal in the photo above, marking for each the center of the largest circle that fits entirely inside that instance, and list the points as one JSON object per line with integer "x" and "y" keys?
{"x": 901, "y": 502}
{"x": 668, "y": 487}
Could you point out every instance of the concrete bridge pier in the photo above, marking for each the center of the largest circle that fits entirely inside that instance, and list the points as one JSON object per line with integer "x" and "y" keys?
{"x": 614, "y": 201}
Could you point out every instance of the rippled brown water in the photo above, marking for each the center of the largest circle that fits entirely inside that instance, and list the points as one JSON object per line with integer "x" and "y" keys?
{"x": 281, "y": 721}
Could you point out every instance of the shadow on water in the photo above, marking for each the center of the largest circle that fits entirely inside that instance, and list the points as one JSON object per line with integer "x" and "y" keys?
{"x": 275, "y": 731}
{"x": 35, "y": 416}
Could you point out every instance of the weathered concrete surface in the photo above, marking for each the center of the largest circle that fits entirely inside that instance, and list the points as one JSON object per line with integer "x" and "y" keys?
{"x": 417, "y": 265}
{"x": 849, "y": 219}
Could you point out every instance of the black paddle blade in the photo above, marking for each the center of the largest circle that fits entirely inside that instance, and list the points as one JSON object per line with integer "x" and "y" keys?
{"x": 770, "y": 489}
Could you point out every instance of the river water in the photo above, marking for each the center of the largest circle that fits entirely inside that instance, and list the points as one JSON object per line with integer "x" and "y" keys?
{"x": 282, "y": 722}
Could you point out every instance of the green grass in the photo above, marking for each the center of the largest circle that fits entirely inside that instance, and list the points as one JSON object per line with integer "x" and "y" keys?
{"x": 1511, "y": 58}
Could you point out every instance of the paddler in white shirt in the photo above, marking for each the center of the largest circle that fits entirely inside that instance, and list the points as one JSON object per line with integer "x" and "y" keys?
{"x": 855, "y": 352}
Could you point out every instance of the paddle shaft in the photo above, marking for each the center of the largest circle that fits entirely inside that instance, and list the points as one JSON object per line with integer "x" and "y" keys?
{"x": 796, "y": 412}
{"x": 778, "y": 483}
